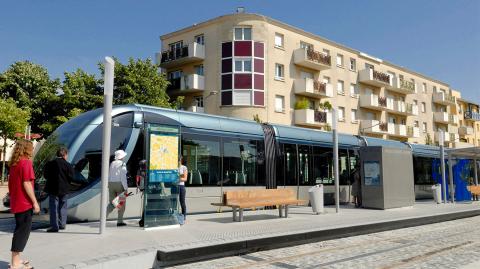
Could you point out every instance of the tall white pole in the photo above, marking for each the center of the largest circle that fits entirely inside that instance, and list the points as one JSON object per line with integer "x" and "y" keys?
{"x": 442, "y": 166}
{"x": 335, "y": 159}
{"x": 107, "y": 131}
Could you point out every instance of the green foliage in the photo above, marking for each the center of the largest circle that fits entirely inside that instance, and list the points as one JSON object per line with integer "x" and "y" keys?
{"x": 325, "y": 106}
{"x": 428, "y": 139}
{"x": 139, "y": 82}
{"x": 257, "y": 119}
{"x": 31, "y": 87}
{"x": 327, "y": 127}
{"x": 302, "y": 104}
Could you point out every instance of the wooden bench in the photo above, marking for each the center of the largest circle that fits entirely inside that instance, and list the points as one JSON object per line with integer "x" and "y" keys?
{"x": 241, "y": 199}
{"x": 474, "y": 190}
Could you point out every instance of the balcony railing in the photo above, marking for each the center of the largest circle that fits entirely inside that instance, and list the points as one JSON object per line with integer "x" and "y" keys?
{"x": 373, "y": 101}
{"x": 471, "y": 115}
{"x": 408, "y": 85}
{"x": 373, "y": 77}
{"x": 413, "y": 131}
{"x": 465, "y": 130}
{"x": 373, "y": 126}
{"x": 187, "y": 84}
{"x": 313, "y": 118}
{"x": 443, "y": 98}
{"x": 312, "y": 59}
{"x": 382, "y": 101}
{"x": 452, "y": 119}
{"x": 313, "y": 88}
{"x": 189, "y": 53}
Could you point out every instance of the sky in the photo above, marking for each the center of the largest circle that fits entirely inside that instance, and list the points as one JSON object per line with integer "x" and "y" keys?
{"x": 437, "y": 38}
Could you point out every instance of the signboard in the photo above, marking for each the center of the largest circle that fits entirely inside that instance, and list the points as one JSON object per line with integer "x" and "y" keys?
{"x": 161, "y": 189}
{"x": 371, "y": 173}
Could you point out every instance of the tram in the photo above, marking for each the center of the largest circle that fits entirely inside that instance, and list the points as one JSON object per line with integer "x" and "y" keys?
{"x": 221, "y": 153}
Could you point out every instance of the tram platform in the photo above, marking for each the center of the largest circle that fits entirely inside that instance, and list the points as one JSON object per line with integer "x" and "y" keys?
{"x": 214, "y": 235}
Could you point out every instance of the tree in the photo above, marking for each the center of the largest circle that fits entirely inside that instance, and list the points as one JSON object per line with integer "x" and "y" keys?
{"x": 139, "y": 82}
{"x": 12, "y": 120}
{"x": 32, "y": 89}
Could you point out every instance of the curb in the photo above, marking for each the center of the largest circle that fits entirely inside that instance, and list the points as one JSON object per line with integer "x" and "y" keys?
{"x": 177, "y": 257}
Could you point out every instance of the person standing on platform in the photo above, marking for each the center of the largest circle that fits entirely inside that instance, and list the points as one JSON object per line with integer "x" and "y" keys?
{"x": 117, "y": 184}
{"x": 183, "y": 174}
{"x": 22, "y": 199}
{"x": 59, "y": 174}
{"x": 357, "y": 186}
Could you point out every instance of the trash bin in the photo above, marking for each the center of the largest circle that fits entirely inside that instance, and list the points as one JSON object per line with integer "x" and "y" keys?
{"x": 316, "y": 198}
{"x": 437, "y": 193}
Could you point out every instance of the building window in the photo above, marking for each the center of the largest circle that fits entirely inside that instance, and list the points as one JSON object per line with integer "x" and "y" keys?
{"x": 369, "y": 66}
{"x": 353, "y": 64}
{"x": 243, "y": 33}
{"x": 424, "y": 107}
{"x": 311, "y": 104}
{"x": 279, "y": 71}
{"x": 414, "y": 85}
{"x": 340, "y": 89}
{"x": 326, "y": 52}
{"x": 424, "y": 87}
{"x": 354, "y": 115}
{"x": 341, "y": 113}
{"x": 279, "y": 103}
{"x": 199, "y": 69}
{"x": 305, "y": 45}
{"x": 278, "y": 40}
{"x": 416, "y": 124}
{"x": 340, "y": 60}
{"x": 174, "y": 74}
{"x": 243, "y": 65}
{"x": 326, "y": 80}
{"x": 434, "y": 89}
{"x": 415, "y": 102}
{"x": 176, "y": 46}
{"x": 354, "y": 90}
{"x": 199, "y": 101}
{"x": 200, "y": 39}
{"x": 424, "y": 127}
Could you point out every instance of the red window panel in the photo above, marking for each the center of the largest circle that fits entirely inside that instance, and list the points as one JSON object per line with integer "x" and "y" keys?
{"x": 226, "y": 82}
{"x": 226, "y": 65}
{"x": 226, "y": 98}
{"x": 258, "y": 98}
{"x": 258, "y": 66}
{"x": 227, "y": 49}
{"x": 243, "y": 81}
{"x": 258, "y": 82}
{"x": 258, "y": 49}
{"x": 243, "y": 48}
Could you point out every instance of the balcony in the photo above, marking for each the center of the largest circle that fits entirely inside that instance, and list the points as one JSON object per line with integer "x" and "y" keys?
{"x": 192, "y": 83}
{"x": 399, "y": 107}
{"x": 397, "y": 129}
{"x": 471, "y": 116}
{"x": 413, "y": 131}
{"x": 413, "y": 108}
{"x": 465, "y": 130}
{"x": 401, "y": 86}
{"x": 197, "y": 109}
{"x": 373, "y": 77}
{"x": 373, "y": 127}
{"x": 441, "y": 117}
{"x": 449, "y": 137}
{"x": 190, "y": 53}
{"x": 311, "y": 59}
{"x": 373, "y": 101}
{"x": 312, "y": 88}
{"x": 459, "y": 144}
{"x": 443, "y": 98}
{"x": 312, "y": 118}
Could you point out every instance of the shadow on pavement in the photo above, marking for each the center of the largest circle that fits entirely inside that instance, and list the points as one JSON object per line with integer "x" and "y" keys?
{"x": 245, "y": 218}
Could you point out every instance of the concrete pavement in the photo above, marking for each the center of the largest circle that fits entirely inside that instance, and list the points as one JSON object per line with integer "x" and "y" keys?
{"x": 79, "y": 246}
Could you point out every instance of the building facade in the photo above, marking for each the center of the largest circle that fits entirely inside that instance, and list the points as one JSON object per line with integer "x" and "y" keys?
{"x": 248, "y": 65}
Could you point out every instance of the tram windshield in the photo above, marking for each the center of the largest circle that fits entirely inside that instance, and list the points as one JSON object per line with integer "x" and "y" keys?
{"x": 87, "y": 158}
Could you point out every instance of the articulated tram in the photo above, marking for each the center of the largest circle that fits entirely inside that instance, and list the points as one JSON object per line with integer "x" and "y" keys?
{"x": 221, "y": 153}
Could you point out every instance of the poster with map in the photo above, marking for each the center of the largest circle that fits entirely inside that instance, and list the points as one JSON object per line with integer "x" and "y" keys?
{"x": 163, "y": 157}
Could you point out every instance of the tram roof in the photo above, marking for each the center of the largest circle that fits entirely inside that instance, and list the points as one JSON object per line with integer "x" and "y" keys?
{"x": 298, "y": 134}
{"x": 372, "y": 141}
{"x": 425, "y": 150}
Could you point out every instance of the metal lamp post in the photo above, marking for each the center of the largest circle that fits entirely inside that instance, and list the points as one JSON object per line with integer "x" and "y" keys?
{"x": 107, "y": 130}
{"x": 335, "y": 159}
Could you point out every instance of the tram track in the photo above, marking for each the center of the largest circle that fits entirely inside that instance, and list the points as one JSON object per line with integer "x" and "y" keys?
{"x": 401, "y": 240}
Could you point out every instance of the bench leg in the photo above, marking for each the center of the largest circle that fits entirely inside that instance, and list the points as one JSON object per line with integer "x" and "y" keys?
{"x": 234, "y": 211}
{"x": 286, "y": 211}
{"x": 241, "y": 214}
{"x": 280, "y": 213}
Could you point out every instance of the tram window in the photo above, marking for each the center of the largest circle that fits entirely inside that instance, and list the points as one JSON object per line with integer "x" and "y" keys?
{"x": 343, "y": 167}
{"x": 305, "y": 164}
{"x": 423, "y": 171}
{"x": 323, "y": 165}
{"x": 290, "y": 157}
{"x": 202, "y": 157}
{"x": 240, "y": 158}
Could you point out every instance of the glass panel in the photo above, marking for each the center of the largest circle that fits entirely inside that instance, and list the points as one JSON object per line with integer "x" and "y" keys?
{"x": 202, "y": 156}
{"x": 238, "y": 33}
{"x": 247, "y": 65}
{"x": 239, "y": 162}
{"x": 304, "y": 160}
{"x": 323, "y": 168}
{"x": 290, "y": 164}
{"x": 422, "y": 168}
{"x": 238, "y": 66}
{"x": 247, "y": 33}
{"x": 343, "y": 167}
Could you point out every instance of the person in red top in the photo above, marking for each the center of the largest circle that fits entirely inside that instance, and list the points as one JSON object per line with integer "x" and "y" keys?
{"x": 22, "y": 199}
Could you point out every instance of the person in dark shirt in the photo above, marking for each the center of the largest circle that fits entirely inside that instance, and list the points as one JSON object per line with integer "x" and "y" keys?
{"x": 59, "y": 174}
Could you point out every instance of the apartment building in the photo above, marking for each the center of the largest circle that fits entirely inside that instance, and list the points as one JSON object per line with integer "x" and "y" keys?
{"x": 244, "y": 65}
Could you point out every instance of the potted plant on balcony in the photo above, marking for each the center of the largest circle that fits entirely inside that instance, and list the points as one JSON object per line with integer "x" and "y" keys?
{"x": 302, "y": 104}
{"x": 325, "y": 106}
